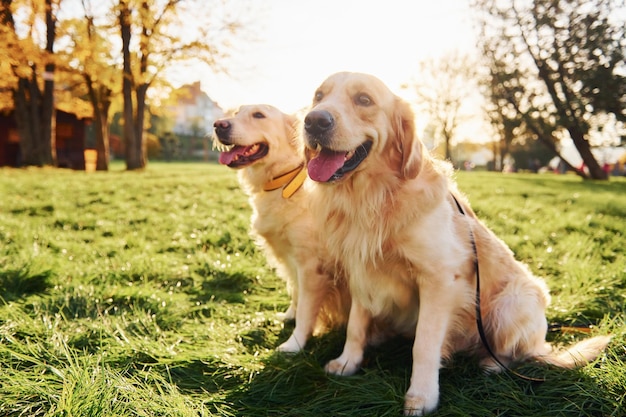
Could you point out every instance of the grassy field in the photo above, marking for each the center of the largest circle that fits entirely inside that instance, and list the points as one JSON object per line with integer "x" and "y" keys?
{"x": 141, "y": 294}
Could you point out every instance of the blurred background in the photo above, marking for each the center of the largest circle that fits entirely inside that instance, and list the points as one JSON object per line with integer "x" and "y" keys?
{"x": 503, "y": 85}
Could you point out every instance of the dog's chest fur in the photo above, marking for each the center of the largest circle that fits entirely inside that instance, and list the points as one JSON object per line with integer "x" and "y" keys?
{"x": 273, "y": 225}
{"x": 367, "y": 240}
{"x": 388, "y": 242}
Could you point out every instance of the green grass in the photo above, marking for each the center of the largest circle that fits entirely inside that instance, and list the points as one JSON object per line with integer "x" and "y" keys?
{"x": 141, "y": 294}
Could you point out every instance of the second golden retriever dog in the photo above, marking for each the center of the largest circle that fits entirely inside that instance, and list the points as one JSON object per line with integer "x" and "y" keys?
{"x": 261, "y": 142}
{"x": 394, "y": 218}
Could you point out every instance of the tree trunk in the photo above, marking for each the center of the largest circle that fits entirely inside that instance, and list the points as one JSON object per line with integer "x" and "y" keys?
{"x": 133, "y": 160}
{"x": 23, "y": 127}
{"x": 595, "y": 170}
{"x": 142, "y": 88}
{"x": 567, "y": 113}
{"x": 48, "y": 119}
{"x": 549, "y": 143}
{"x": 102, "y": 137}
{"x": 47, "y": 140}
{"x": 27, "y": 116}
{"x": 140, "y": 96}
{"x": 101, "y": 102}
{"x": 448, "y": 153}
{"x": 34, "y": 111}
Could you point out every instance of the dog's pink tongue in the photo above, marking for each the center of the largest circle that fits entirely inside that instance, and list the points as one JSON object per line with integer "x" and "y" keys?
{"x": 227, "y": 157}
{"x": 325, "y": 165}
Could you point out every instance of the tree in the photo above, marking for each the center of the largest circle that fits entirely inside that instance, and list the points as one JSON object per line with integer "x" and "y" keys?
{"x": 555, "y": 65}
{"x": 513, "y": 130}
{"x": 88, "y": 56}
{"x": 155, "y": 29}
{"x": 443, "y": 88}
{"x": 99, "y": 81}
{"x": 33, "y": 91}
{"x": 133, "y": 117}
{"x": 504, "y": 121}
{"x": 155, "y": 34}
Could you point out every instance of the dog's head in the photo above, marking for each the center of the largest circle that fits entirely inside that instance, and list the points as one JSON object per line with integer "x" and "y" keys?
{"x": 355, "y": 121}
{"x": 253, "y": 133}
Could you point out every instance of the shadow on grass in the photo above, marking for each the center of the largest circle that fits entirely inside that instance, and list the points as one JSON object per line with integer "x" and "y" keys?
{"x": 34, "y": 211}
{"x": 17, "y": 283}
{"x": 467, "y": 391}
{"x": 297, "y": 386}
{"x": 223, "y": 286}
{"x": 204, "y": 376}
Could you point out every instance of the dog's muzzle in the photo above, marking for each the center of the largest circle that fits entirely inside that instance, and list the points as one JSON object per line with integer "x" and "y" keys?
{"x": 318, "y": 125}
{"x": 222, "y": 130}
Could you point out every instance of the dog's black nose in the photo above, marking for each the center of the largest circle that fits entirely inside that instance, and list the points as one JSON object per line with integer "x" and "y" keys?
{"x": 318, "y": 122}
{"x": 222, "y": 128}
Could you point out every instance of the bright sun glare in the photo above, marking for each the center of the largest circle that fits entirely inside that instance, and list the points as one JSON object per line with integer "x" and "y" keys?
{"x": 301, "y": 43}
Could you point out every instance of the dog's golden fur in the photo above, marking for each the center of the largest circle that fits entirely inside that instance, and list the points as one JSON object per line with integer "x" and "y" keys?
{"x": 394, "y": 225}
{"x": 282, "y": 226}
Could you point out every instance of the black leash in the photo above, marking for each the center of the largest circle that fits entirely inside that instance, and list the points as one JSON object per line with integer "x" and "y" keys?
{"x": 479, "y": 318}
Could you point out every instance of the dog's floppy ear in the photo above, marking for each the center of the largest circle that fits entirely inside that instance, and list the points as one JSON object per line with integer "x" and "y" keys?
{"x": 292, "y": 129}
{"x": 295, "y": 126}
{"x": 410, "y": 146}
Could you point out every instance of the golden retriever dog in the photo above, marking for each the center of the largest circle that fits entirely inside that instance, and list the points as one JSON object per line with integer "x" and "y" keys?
{"x": 394, "y": 218}
{"x": 261, "y": 142}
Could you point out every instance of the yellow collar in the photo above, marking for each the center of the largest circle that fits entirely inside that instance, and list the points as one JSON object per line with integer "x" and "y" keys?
{"x": 292, "y": 181}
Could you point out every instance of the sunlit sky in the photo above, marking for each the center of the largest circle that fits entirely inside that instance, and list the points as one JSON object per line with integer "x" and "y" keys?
{"x": 301, "y": 42}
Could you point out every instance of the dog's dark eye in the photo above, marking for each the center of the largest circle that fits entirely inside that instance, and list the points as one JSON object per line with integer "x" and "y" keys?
{"x": 258, "y": 115}
{"x": 319, "y": 96}
{"x": 363, "y": 100}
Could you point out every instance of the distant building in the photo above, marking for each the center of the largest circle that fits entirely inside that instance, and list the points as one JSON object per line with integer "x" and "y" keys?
{"x": 194, "y": 111}
{"x": 192, "y": 114}
{"x": 72, "y": 136}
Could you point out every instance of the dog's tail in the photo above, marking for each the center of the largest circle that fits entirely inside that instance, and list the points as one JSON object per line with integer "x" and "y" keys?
{"x": 576, "y": 355}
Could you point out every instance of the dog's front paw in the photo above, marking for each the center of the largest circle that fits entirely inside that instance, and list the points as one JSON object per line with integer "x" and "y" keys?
{"x": 290, "y": 346}
{"x": 342, "y": 367}
{"x": 288, "y": 315}
{"x": 490, "y": 366}
{"x": 420, "y": 404}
